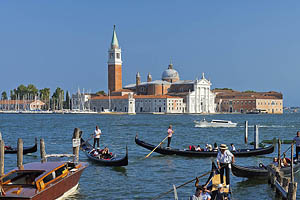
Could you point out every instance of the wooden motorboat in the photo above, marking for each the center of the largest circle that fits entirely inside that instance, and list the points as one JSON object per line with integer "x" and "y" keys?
{"x": 47, "y": 181}
{"x": 112, "y": 160}
{"x": 26, "y": 150}
{"x": 190, "y": 153}
{"x": 260, "y": 172}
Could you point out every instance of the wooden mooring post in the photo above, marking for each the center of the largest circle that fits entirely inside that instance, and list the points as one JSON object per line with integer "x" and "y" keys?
{"x": 284, "y": 187}
{"x": 43, "y": 151}
{"x": 2, "y": 145}
{"x": 246, "y": 132}
{"x": 76, "y": 144}
{"x": 256, "y": 137}
{"x": 20, "y": 153}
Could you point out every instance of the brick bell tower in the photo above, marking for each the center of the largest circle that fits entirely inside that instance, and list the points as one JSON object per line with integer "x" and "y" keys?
{"x": 114, "y": 65}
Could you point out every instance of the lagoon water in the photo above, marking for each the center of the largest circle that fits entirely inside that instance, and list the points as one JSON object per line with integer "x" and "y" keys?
{"x": 147, "y": 178}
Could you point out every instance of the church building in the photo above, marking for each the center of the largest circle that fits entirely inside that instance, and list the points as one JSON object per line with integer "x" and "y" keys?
{"x": 168, "y": 95}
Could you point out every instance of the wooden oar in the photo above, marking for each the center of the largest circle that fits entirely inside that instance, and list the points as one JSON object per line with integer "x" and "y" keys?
{"x": 157, "y": 197}
{"x": 87, "y": 140}
{"x": 155, "y": 147}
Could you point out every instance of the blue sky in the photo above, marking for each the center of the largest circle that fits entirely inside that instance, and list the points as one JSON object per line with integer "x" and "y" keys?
{"x": 243, "y": 45}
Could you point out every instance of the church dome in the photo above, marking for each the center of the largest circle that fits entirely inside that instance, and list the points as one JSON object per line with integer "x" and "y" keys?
{"x": 170, "y": 74}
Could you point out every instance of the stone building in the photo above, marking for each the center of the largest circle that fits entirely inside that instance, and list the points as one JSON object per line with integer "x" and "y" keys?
{"x": 244, "y": 102}
{"x": 21, "y": 105}
{"x": 168, "y": 95}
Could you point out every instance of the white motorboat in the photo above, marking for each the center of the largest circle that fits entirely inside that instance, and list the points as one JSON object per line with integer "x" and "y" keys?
{"x": 215, "y": 123}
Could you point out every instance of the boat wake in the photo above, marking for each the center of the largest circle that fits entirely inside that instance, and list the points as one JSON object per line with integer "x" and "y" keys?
{"x": 270, "y": 126}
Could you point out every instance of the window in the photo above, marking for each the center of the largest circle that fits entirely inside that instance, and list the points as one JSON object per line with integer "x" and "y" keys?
{"x": 111, "y": 55}
{"x": 118, "y": 55}
{"x": 48, "y": 178}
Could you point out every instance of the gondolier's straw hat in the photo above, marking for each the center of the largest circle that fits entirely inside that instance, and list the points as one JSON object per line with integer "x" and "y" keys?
{"x": 223, "y": 146}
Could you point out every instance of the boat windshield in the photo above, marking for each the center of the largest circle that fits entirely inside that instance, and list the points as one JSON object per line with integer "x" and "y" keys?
{"x": 21, "y": 177}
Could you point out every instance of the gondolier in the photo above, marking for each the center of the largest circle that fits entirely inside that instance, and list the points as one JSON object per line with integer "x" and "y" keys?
{"x": 170, "y": 133}
{"x": 97, "y": 134}
{"x": 224, "y": 159}
{"x": 297, "y": 141}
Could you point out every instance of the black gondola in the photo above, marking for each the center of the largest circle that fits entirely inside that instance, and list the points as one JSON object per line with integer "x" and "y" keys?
{"x": 260, "y": 172}
{"x": 190, "y": 153}
{"x": 86, "y": 147}
{"x": 26, "y": 150}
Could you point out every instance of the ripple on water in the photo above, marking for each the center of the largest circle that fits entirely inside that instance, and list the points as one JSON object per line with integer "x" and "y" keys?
{"x": 146, "y": 178}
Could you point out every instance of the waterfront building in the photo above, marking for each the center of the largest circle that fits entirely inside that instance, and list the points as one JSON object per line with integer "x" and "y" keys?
{"x": 131, "y": 103}
{"x": 21, "y": 105}
{"x": 231, "y": 101}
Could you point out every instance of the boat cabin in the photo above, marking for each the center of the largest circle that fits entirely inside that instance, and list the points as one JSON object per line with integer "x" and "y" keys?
{"x": 34, "y": 178}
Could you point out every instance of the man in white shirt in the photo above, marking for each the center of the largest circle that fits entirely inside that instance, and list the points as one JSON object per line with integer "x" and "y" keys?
{"x": 224, "y": 158}
{"x": 297, "y": 140}
{"x": 97, "y": 134}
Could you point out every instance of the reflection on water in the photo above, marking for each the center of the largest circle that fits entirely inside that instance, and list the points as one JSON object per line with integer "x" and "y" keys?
{"x": 146, "y": 178}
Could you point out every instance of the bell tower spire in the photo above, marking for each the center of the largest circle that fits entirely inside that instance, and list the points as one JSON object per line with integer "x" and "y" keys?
{"x": 114, "y": 64}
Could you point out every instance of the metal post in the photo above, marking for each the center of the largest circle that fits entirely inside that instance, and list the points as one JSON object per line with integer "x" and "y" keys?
{"x": 20, "y": 153}
{"x": 1, "y": 158}
{"x": 246, "y": 132}
{"x": 43, "y": 151}
{"x": 256, "y": 137}
{"x": 76, "y": 134}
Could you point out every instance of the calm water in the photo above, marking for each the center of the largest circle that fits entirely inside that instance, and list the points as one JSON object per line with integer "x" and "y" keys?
{"x": 147, "y": 178}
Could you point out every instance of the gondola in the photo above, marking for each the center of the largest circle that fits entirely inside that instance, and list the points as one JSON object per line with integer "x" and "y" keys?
{"x": 260, "y": 172}
{"x": 213, "y": 181}
{"x": 86, "y": 147}
{"x": 190, "y": 153}
{"x": 26, "y": 150}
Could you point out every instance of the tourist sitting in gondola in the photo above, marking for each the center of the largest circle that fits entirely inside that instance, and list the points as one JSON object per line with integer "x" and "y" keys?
{"x": 198, "y": 148}
{"x": 7, "y": 148}
{"x": 286, "y": 161}
{"x": 220, "y": 193}
{"x": 216, "y": 148}
{"x": 232, "y": 147}
{"x": 208, "y": 147}
{"x": 105, "y": 154}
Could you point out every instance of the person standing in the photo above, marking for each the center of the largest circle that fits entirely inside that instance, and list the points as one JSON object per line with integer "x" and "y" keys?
{"x": 297, "y": 140}
{"x": 224, "y": 158}
{"x": 97, "y": 134}
{"x": 170, "y": 133}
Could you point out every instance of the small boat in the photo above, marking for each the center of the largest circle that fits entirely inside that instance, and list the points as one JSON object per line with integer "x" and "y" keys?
{"x": 26, "y": 150}
{"x": 113, "y": 160}
{"x": 214, "y": 123}
{"x": 49, "y": 180}
{"x": 191, "y": 153}
{"x": 260, "y": 172}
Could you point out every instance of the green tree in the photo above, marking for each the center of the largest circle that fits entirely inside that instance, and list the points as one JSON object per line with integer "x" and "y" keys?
{"x": 249, "y": 91}
{"x": 23, "y": 92}
{"x": 101, "y": 93}
{"x": 45, "y": 96}
{"x": 3, "y": 96}
{"x": 58, "y": 99}
{"x": 67, "y": 102}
